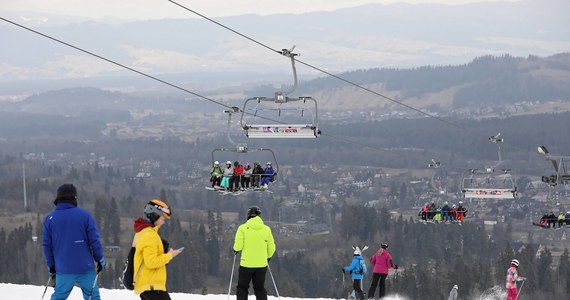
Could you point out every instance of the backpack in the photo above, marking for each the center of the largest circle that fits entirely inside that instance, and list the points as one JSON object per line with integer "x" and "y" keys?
{"x": 362, "y": 267}
{"x": 127, "y": 276}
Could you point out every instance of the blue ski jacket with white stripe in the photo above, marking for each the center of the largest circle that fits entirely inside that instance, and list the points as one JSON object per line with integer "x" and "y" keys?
{"x": 71, "y": 240}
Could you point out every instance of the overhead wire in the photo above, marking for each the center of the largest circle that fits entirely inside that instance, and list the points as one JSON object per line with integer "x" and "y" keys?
{"x": 161, "y": 80}
{"x": 326, "y": 72}
{"x": 227, "y": 106}
{"x": 128, "y": 68}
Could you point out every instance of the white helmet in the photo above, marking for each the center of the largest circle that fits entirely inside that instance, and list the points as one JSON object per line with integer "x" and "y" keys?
{"x": 515, "y": 262}
{"x": 216, "y": 162}
{"x": 228, "y": 162}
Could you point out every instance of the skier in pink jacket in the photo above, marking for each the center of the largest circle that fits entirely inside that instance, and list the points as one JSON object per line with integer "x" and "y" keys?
{"x": 382, "y": 261}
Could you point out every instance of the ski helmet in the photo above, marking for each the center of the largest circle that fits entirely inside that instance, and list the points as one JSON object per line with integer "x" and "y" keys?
{"x": 455, "y": 287}
{"x": 253, "y": 211}
{"x": 216, "y": 163}
{"x": 155, "y": 208}
{"x": 228, "y": 162}
{"x": 515, "y": 262}
{"x": 384, "y": 245}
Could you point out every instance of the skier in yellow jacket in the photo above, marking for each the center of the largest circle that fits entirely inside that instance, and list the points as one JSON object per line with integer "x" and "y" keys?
{"x": 255, "y": 241}
{"x": 150, "y": 256}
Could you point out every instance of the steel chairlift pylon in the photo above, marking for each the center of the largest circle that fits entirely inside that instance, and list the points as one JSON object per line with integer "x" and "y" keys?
{"x": 561, "y": 175}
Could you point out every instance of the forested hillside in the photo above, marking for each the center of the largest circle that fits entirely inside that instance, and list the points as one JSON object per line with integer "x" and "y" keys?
{"x": 485, "y": 81}
{"x": 360, "y": 183}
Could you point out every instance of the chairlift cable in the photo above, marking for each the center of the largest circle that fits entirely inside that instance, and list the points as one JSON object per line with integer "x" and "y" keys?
{"x": 163, "y": 81}
{"x": 327, "y": 73}
{"x": 225, "y": 105}
{"x": 128, "y": 68}
{"x": 339, "y": 78}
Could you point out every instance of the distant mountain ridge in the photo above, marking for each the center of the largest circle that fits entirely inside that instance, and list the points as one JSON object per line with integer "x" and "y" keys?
{"x": 365, "y": 37}
{"x": 488, "y": 81}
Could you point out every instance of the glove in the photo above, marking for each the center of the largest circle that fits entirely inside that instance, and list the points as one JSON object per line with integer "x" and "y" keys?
{"x": 236, "y": 253}
{"x": 101, "y": 265}
{"x": 395, "y": 267}
{"x": 343, "y": 271}
{"x": 268, "y": 259}
{"x": 51, "y": 271}
{"x": 524, "y": 278}
{"x": 350, "y": 271}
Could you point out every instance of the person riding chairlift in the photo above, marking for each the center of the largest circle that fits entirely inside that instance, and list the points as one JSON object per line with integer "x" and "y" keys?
{"x": 269, "y": 173}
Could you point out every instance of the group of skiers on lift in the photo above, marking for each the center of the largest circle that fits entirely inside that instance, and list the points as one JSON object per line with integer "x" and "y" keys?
{"x": 549, "y": 220}
{"x": 237, "y": 177}
{"x": 437, "y": 213}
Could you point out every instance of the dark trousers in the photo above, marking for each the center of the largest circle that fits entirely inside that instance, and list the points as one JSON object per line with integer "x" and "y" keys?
{"x": 356, "y": 285}
{"x": 245, "y": 182}
{"x": 378, "y": 278}
{"x": 155, "y": 295}
{"x": 257, "y": 277}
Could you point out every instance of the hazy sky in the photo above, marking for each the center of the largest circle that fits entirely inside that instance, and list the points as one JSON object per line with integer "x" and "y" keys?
{"x": 158, "y": 9}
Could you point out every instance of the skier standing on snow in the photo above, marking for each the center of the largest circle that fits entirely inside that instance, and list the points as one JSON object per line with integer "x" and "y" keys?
{"x": 453, "y": 293}
{"x": 382, "y": 261}
{"x": 255, "y": 241}
{"x": 357, "y": 268}
{"x": 151, "y": 256}
{"x": 71, "y": 246}
{"x": 511, "y": 282}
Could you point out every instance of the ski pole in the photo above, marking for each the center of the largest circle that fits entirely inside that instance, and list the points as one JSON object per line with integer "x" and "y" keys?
{"x": 519, "y": 293}
{"x": 47, "y": 284}
{"x": 93, "y": 287}
{"x": 273, "y": 279}
{"x": 232, "y": 276}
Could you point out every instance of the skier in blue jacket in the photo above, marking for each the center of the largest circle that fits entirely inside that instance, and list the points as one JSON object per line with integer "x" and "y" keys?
{"x": 71, "y": 246}
{"x": 357, "y": 268}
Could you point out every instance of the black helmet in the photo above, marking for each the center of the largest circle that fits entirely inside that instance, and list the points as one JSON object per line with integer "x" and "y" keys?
{"x": 253, "y": 211}
{"x": 384, "y": 245}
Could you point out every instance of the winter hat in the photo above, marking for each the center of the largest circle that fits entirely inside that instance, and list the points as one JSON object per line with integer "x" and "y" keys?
{"x": 66, "y": 193}
{"x": 515, "y": 262}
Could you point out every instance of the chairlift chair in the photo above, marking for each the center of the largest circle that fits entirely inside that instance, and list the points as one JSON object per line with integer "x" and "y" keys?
{"x": 281, "y": 102}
